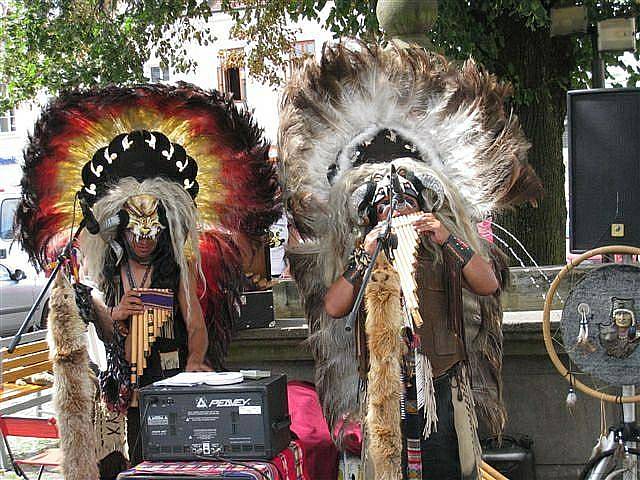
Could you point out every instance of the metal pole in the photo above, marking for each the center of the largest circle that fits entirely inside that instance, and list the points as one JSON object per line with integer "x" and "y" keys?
{"x": 629, "y": 411}
{"x": 597, "y": 65}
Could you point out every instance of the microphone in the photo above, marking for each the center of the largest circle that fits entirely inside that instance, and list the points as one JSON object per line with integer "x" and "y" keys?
{"x": 90, "y": 222}
{"x": 396, "y": 186}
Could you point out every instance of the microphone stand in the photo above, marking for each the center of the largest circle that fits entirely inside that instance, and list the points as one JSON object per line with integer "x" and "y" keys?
{"x": 61, "y": 258}
{"x": 385, "y": 240}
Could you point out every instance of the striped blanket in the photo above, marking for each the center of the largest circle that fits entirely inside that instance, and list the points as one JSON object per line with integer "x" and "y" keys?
{"x": 287, "y": 465}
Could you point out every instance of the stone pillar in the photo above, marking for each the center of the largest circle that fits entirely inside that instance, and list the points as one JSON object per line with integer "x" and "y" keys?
{"x": 407, "y": 21}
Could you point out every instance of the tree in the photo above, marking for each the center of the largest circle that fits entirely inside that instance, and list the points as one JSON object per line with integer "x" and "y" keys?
{"x": 512, "y": 38}
{"x": 49, "y": 45}
{"x": 56, "y": 44}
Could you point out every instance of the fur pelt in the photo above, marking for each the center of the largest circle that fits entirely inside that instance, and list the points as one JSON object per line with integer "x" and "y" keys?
{"x": 384, "y": 327}
{"x": 73, "y": 387}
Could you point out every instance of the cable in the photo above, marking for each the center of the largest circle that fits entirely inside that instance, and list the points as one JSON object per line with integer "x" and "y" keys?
{"x": 143, "y": 425}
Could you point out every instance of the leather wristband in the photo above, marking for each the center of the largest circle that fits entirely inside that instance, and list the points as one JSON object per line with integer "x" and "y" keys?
{"x": 459, "y": 249}
{"x": 358, "y": 262}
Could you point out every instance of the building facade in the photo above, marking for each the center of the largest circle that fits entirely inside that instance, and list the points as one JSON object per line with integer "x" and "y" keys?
{"x": 221, "y": 66}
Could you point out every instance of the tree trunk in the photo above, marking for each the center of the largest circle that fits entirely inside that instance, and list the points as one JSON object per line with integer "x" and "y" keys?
{"x": 540, "y": 68}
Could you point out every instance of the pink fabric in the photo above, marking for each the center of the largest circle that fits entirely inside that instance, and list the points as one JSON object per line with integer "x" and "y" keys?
{"x": 485, "y": 230}
{"x": 351, "y": 436}
{"x": 309, "y": 426}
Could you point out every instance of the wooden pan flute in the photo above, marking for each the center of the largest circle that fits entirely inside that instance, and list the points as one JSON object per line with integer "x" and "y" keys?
{"x": 146, "y": 326}
{"x": 404, "y": 261}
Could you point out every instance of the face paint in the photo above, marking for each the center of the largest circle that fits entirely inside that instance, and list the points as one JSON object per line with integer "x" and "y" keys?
{"x": 144, "y": 221}
{"x": 144, "y": 225}
{"x": 407, "y": 204}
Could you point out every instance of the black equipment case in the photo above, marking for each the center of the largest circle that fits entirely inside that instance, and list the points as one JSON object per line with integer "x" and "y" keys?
{"x": 512, "y": 457}
{"x": 242, "y": 420}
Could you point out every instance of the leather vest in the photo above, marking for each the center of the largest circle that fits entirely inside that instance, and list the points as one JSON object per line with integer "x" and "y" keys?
{"x": 439, "y": 291}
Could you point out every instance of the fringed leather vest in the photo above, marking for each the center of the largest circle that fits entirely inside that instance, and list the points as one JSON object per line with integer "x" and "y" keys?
{"x": 440, "y": 304}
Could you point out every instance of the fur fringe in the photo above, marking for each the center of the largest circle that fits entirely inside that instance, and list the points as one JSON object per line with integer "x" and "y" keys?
{"x": 383, "y": 326}
{"x": 485, "y": 352}
{"x": 73, "y": 387}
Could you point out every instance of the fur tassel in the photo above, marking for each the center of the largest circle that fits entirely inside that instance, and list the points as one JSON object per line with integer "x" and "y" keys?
{"x": 73, "y": 387}
{"x": 383, "y": 326}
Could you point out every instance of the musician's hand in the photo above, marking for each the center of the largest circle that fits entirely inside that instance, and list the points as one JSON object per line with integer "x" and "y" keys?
{"x": 371, "y": 240}
{"x": 197, "y": 366}
{"x": 130, "y": 304}
{"x": 428, "y": 224}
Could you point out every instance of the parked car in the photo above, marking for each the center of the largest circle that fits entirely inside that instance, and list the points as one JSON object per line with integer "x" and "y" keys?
{"x": 20, "y": 284}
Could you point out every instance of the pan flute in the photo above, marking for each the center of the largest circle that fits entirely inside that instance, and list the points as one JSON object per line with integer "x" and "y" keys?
{"x": 404, "y": 261}
{"x": 148, "y": 325}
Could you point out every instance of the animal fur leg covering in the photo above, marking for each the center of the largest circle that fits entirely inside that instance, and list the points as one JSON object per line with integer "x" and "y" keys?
{"x": 383, "y": 327}
{"x": 73, "y": 388}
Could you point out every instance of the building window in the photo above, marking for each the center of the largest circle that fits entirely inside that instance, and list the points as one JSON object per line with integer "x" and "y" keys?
{"x": 8, "y": 118}
{"x": 300, "y": 52}
{"x": 216, "y": 5}
{"x": 231, "y": 73}
{"x": 159, "y": 74}
{"x": 8, "y": 122}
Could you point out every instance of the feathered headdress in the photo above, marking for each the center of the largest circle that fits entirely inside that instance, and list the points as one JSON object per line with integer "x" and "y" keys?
{"x": 183, "y": 145}
{"x": 341, "y": 122}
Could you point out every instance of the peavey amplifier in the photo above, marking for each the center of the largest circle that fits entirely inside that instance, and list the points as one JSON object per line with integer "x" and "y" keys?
{"x": 243, "y": 420}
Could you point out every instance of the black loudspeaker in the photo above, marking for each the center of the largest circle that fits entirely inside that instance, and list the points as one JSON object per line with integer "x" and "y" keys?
{"x": 604, "y": 168}
{"x": 256, "y": 310}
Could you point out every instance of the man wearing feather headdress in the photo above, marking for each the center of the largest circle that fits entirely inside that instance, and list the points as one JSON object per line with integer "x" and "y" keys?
{"x": 407, "y": 378}
{"x": 139, "y": 159}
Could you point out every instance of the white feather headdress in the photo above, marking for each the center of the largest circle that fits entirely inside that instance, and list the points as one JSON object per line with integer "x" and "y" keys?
{"x": 454, "y": 122}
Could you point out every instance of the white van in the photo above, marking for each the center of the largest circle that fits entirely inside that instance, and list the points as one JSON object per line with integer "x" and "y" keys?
{"x": 20, "y": 284}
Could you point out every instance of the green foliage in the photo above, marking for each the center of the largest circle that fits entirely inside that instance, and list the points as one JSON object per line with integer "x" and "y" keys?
{"x": 477, "y": 29}
{"x": 51, "y": 45}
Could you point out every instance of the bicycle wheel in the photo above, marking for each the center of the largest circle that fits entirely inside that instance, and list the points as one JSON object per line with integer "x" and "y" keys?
{"x": 595, "y": 461}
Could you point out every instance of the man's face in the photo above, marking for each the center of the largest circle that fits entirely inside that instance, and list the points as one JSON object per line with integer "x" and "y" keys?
{"x": 408, "y": 205}
{"x": 143, "y": 247}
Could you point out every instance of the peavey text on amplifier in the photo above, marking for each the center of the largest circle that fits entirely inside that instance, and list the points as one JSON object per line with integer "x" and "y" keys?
{"x": 243, "y": 420}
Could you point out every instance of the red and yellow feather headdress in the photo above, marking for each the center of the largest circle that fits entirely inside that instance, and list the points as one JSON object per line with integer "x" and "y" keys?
{"x": 233, "y": 182}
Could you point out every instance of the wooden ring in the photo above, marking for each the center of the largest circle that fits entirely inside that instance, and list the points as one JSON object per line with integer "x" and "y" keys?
{"x": 546, "y": 324}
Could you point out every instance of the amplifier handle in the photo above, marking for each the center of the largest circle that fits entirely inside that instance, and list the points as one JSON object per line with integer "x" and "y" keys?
{"x": 285, "y": 422}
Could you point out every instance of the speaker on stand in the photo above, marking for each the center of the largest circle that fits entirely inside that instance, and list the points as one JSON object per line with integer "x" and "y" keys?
{"x": 604, "y": 168}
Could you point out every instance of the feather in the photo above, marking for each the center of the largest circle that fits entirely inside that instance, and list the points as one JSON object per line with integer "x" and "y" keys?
{"x": 464, "y": 136}
{"x": 238, "y": 184}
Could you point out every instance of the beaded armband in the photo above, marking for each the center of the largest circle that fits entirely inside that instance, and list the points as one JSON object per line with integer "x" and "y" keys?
{"x": 358, "y": 262}
{"x": 460, "y": 250}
